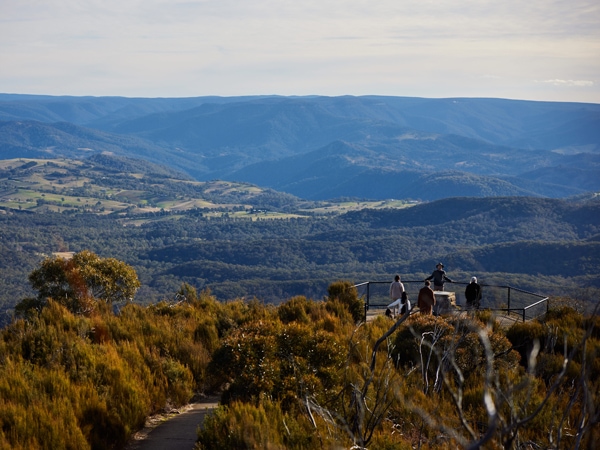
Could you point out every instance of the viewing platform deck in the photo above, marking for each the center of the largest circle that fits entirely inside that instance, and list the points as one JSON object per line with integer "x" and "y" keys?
{"x": 505, "y": 320}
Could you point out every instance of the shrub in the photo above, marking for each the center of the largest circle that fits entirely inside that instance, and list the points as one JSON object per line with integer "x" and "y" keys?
{"x": 346, "y": 293}
{"x": 259, "y": 426}
{"x": 294, "y": 310}
{"x": 523, "y": 336}
{"x": 92, "y": 381}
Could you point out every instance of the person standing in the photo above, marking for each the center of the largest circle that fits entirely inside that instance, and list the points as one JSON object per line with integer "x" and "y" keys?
{"x": 473, "y": 294}
{"x": 439, "y": 277}
{"x": 396, "y": 292}
{"x": 426, "y": 298}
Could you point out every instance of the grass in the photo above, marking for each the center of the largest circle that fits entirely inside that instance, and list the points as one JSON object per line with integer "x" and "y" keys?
{"x": 343, "y": 207}
{"x": 68, "y": 186}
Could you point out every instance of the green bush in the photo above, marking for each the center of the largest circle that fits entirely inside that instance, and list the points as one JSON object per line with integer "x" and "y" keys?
{"x": 90, "y": 382}
{"x": 299, "y": 376}
{"x": 523, "y": 336}
{"x": 259, "y": 426}
{"x": 346, "y": 293}
{"x": 294, "y": 310}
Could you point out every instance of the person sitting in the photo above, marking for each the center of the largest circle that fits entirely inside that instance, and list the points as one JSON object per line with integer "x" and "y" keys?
{"x": 403, "y": 304}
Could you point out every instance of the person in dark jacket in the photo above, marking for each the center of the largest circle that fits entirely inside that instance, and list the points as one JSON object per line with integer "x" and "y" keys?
{"x": 473, "y": 294}
{"x": 426, "y": 299}
{"x": 439, "y": 277}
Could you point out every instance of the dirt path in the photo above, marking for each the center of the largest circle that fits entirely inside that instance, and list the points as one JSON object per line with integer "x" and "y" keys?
{"x": 174, "y": 431}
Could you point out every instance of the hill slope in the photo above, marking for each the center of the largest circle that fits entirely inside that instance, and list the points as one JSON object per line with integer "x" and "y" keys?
{"x": 427, "y": 170}
{"x": 520, "y": 147}
{"x": 510, "y": 240}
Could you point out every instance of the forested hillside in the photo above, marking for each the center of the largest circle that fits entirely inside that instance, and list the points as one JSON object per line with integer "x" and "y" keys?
{"x": 321, "y": 148}
{"x": 541, "y": 245}
{"x": 110, "y": 184}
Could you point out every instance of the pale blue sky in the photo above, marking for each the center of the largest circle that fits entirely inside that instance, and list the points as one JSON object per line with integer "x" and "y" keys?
{"x": 535, "y": 49}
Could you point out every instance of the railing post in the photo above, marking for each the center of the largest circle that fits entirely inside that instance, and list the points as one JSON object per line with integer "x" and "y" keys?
{"x": 509, "y": 299}
{"x": 524, "y": 314}
{"x": 367, "y": 303}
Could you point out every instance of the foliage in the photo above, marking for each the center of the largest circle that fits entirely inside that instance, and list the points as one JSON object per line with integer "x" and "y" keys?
{"x": 558, "y": 340}
{"x": 286, "y": 360}
{"x": 300, "y": 375}
{"x": 79, "y": 281}
{"x": 346, "y": 293}
{"x": 439, "y": 383}
{"x": 279, "y": 259}
{"x": 90, "y": 381}
{"x": 265, "y": 425}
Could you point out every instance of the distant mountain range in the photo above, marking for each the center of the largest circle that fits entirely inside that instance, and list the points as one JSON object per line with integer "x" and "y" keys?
{"x": 327, "y": 147}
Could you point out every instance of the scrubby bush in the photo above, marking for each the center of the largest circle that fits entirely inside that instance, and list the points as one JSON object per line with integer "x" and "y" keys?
{"x": 90, "y": 382}
{"x": 259, "y": 426}
{"x": 284, "y": 360}
{"x": 303, "y": 375}
{"x": 294, "y": 310}
{"x": 346, "y": 293}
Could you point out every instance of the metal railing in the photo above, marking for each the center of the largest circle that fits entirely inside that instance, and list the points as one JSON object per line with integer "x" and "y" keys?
{"x": 497, "y": 297}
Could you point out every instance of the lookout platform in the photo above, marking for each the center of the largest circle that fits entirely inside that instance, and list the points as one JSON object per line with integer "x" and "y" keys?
{"x": 509, "y": 304}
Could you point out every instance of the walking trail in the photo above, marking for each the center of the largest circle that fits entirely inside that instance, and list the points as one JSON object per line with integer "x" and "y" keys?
{"x": 174, "y": 431}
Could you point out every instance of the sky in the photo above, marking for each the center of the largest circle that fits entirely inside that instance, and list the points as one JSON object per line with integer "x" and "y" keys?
{"x": 545, "y": 50}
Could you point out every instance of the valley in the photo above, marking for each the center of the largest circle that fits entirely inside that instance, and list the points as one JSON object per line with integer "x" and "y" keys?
{"x": 243, "y": 241}
{"x": 322, "y": 148}
{"x": 270, "y": 197}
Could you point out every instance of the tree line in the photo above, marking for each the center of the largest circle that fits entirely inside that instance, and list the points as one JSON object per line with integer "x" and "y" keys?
{"x": 545, "y": 246}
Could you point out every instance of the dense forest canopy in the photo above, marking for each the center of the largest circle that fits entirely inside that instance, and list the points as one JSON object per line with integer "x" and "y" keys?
{"x": 541, "y": 245}
{"x": 243, "y": 241}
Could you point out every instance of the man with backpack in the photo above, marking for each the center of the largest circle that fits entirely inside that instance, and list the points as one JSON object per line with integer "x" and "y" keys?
{"x": 473, "y": 294}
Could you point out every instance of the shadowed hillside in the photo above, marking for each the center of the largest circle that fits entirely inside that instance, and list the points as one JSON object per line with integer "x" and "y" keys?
{"x": 327, "y": 147}
{"x": 538, "y": 244}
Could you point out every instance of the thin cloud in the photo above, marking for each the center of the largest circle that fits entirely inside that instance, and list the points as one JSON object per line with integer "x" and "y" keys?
{"x": 575, "y": 83}
{"x": 228, "y": 47}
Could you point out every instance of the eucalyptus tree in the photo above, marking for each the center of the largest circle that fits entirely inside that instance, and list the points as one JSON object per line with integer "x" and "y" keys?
{"x": 80, "y": 282}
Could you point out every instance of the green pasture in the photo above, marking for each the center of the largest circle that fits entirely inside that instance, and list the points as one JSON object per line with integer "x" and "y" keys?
{"x": 344, "y": 207}
{"x": 67, "y": 185}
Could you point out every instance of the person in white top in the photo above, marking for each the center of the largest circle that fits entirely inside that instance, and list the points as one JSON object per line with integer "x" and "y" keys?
{"x": 396, "y": 294}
